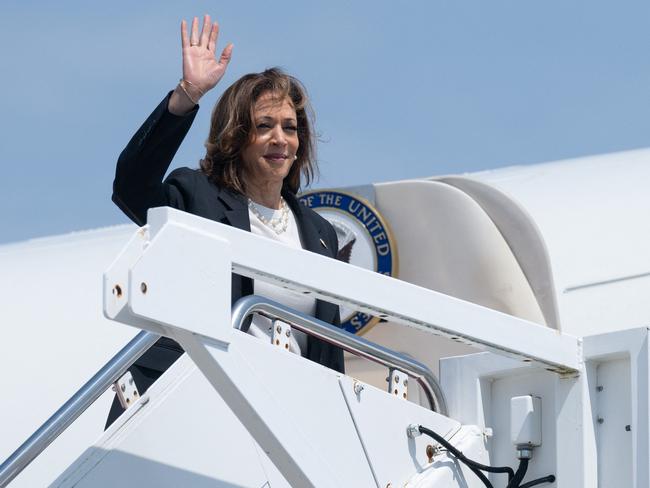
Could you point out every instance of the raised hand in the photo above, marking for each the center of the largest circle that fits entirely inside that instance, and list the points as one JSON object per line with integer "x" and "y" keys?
{"x": 200, "y": 66}
{"x": 201, "y": 70}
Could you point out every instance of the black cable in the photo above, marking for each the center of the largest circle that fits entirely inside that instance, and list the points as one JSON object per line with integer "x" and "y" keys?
{"x": 459, "y": 455}
{"x": 492, "y": 469}
{"x": 546, "y": 479}
{"x": 473, "y": 465}
{"x": 480, "y": 475}
{"x": 519, "y": 475}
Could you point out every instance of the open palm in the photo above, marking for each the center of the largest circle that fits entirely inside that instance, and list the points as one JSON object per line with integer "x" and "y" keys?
{"x": 200, "y": 67}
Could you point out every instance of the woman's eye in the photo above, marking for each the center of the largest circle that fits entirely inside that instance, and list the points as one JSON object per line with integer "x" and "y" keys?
{"x": 263, "y": 126}
{"x": 291, "y": 128}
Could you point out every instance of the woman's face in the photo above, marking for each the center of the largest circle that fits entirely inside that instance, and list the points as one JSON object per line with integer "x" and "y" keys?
{"x": 274, "y": 143}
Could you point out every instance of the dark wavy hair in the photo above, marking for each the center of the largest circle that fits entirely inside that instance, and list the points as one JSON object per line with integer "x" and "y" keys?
{"x": 232, "y": 128}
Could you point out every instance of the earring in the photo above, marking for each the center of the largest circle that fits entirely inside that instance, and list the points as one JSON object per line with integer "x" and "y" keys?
{"x": 295, "y": 156}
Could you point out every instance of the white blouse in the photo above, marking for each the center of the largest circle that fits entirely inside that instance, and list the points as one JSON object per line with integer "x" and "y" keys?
{"x": 261, "y": 326}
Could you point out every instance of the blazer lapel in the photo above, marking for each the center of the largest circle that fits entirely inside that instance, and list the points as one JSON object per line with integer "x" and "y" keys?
{"x": 236, "y": 210}
{"x": 311, "y": 238}
{"x": 239, "y": 218}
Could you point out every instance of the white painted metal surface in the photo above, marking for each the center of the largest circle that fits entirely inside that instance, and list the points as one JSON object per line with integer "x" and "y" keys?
{"x": 381, "y": 421}
{"x": 482, "y": 387}
{"x": 209, "y": 442}
{"x": 614, "y": 422}
{"x": 585, "y": 439}
{"x": 157, "y": 445}
{"x": 604, "y": 353}
{"x": 405, "y": 303}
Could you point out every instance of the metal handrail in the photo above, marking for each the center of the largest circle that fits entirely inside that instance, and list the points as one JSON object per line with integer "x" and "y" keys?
{"x": 354, "y": 344}
{"x": 75, "y": 406}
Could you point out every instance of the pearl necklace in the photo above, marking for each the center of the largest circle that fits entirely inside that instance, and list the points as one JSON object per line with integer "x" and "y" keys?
{"x": 276, "y": 224}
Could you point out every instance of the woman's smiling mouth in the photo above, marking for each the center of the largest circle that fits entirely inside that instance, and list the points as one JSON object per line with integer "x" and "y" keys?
{"x": 275, "y": 157}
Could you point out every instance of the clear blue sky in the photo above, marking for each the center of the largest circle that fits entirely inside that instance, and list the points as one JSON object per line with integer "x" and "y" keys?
{"x": 400, "y": 89}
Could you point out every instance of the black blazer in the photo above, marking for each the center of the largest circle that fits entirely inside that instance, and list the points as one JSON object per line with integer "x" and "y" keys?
{"x": 139, "y": 186}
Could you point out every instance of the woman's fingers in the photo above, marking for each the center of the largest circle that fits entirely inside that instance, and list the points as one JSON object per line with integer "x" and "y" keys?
{"x": 194, "y": 36}
{"x": 185, "y": 41}
{"x": 226, "y": 55}
{"x": 200, "y": 68}
{"x": 205, "y": 31}
{"x": 214, "y": 33}
{"x": 208, "y": 37}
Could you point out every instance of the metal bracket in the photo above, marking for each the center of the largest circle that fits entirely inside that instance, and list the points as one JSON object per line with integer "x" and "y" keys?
{"x": 398, "y": 383}
{"x": 126, "y": 390}
{"x": 281, "y": 334}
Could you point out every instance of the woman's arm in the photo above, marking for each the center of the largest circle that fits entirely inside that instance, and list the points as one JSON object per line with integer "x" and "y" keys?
{"x": 142, "y": 165}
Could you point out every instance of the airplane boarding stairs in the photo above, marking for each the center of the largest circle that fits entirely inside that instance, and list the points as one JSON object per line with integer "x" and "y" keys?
{"x": 236, "y": 411}
{"x": 296, "y": 424}
{"x": 182, "y": 432}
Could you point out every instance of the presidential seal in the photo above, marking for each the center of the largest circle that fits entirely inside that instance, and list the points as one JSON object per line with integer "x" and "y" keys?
{"x": 364, "y": 240}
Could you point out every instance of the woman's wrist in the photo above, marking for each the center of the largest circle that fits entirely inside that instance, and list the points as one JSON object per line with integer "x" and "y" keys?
{"x": 184, "y": 98}
{"x": 192, "y": 90}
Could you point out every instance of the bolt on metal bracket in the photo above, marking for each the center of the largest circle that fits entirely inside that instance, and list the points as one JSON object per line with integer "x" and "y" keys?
{"x": 126, "y": 390}
{"x": 398, "y": 383}
{"x": 281, "y": 334}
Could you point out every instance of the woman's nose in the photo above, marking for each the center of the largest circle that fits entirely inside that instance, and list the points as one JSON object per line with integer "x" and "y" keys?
{"x": 279, "y": 138}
